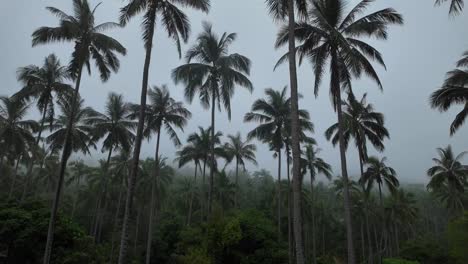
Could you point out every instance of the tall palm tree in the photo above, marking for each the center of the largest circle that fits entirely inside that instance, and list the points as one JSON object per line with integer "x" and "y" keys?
{"x": 115, "y": 127}
{"x": 362, "y": 123}
{"x": 241, "y": 151}
{"x": 454, "y": 91}
{"x": 162, "y": 112}
{"x": 456, "y": 6}
{"x": 329, "y": 34}
{"x": 15, "y": 133}
{"x": 448, "y": 176}
{"x": 191, "y": 153}
{"x": 281, "y": 10}
{"x": 176, "y": 23}
{"x": 274, "y": 116}
{"x": 315, "y": 165}
{"x": 81, "y": 139}
{"x": 16, "y": 136}
{"x": 378, "y": 172}
{"x": 214, "y": 77}
{"x": 90, "y": 44}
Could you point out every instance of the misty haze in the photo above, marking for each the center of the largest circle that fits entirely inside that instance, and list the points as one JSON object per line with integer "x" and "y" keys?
{"x": 247, "y": 131}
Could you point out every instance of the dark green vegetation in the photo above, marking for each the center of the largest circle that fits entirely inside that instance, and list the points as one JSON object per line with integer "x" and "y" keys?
{"x": 205, "y": 207}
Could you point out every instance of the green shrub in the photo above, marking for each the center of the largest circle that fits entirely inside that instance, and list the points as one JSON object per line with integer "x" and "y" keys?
{"x": 399, "y": 261}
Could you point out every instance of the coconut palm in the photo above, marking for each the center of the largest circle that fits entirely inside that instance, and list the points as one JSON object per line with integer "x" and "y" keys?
{"x": 362, "y": 123}
{"x": 165, "y": 112}
{"x": 454, "y": 91}
{"x": 176, "y": 23}
{"x": 81, "y": 139}
{"x": 456, "y": 6}
{"x": 241, "y": 151}
{"x": 378, "y": 172}
{"x": 90, "y": 44}
{"x": 329, "y": 34}
{"x": 16, "y": 133}
{"x": 315, "y": 165}
{"x": 191, "y": 153}
{"x": 449, "y": 177}
{"x": 214, "y": 77}
{"x": 282, "y": 10}
{"x": 115, "y": 127}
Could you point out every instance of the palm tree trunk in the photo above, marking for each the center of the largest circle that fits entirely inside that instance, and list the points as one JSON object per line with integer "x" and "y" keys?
{"x": 369, "y": 239}
{"x": 237, "y": 183}
{"x": 15, "y": 174}
{"x": 203, "y": 190}
{"x": 102, "y": 197}
{"x": 75, "y": 198}
{"x": 138, "y": 138}
{"x": 363, "y": 246}
{"x": 33, "y": 158}
{"x": 212, "y": 143}
{"x": 137, "y": 227}
{"x": 63, "y": 166}
{"x": 296, "y": 153}
{"x": 192, "y": 194}
{"x": 153, "y": 198}
{"x": 312, "y": 209}
{"x": 290, "y": 235}
{"x": 344, "y": 170}
{"x": 116, "y": 219}
{"x": 279, "y": 195}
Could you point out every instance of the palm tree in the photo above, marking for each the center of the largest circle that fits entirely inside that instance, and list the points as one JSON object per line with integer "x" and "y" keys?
{"x": 362, "y": 123}
{"x": 81, "y": 139}
{"x": 43, "y": 83}
{"x": 314, "y": 164}
{"x": 448, "y": 177}
{"x": 162, "y": 112}
{"x": 378, "y": 172}
{"x": 175, "y": 22}
{"x": 115, "y": 128}
{"x": 456, "y": 6}
{"x": 241, "y": 151}
{"x": 214, "y": 76}
{"x": 191, "y": 153}
{"x": 329, "y": 34}
{"x": 15, "y": 133}
{"x": 90, "y": 43}
{"x": 454, "y": 91}
{"x": 274, "y": 116}
{"x": 280, "y": 10}
{"x": 16, "y": 136}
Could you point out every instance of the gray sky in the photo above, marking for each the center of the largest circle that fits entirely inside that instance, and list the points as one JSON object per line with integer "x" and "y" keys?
{"x": 417, "y": 56}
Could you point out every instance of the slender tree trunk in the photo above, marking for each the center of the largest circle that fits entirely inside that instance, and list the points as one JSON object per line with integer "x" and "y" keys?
{"x": 312, "y": 209}
{"x": 102, "y": 197}
{"x": 75, "y": 198}
{"x": 153, "y": 198}
{"x": 397, "y": 240}
{"x": 203, "y": 190}
{"x": 237, "y": 183}
{"x": 116, "y": 220}
{"x": 63, "y": 166}
{"x": 33, "y": 157}
{"x": 15, "y": 174}
{"x": 296, "y": 153}
{"x": 137, "y": 227}
{"x": 344, "y": 171}
{"x": 212, "y": 143}
{"x": 290, "y": 234}
{"x": 363, "y": 246}
{"x": 369, "y": 239}
{"x": 279, "y": 195}
{"x": 192, "y": 194}
{"x": 138, "y": 139}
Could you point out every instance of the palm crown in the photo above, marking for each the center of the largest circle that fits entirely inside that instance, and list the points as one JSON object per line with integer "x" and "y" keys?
{"x": 42, "y": 83}
{"x": 454, "y": 91}
{"x": 89, "y": 39}
{"x": 327, "y": 33}
{"x": 448, "y": 170}
{"x": 114, "y": 125}
{"x": 314, "y": 164}
{"x": 239, "y": 150}
{"x": 378, "y": 172}
{"x": 216, "y": 72}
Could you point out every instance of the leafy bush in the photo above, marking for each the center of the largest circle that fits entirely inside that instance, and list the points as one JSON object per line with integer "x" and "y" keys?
{"x": 457, "y": 235}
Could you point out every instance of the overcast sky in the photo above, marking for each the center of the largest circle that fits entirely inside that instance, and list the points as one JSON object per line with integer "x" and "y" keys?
{"x": 417, "y": 56}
